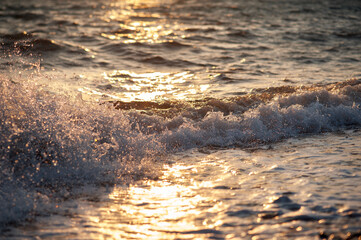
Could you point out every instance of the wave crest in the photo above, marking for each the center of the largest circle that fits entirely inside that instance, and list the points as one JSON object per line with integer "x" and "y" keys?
{"x": 50, "y": 144}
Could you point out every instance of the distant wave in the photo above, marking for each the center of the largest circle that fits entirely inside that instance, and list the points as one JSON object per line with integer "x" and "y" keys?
{"x": 25, "y": 16}
{"x": 158, "y": 60}
{"x": 28, "y": 43}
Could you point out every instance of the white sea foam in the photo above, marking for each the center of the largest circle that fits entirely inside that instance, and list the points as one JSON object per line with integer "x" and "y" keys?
{"x": 50, "y": 144}
{"x": 308, "y": 112}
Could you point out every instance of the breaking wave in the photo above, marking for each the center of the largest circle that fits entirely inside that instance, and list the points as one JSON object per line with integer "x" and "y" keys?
{"x": 52, "y": 144}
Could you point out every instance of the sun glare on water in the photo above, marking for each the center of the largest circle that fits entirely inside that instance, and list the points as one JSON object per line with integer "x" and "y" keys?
{"x": 140, "y": 27}
{"x": 150, "y": 86}
{"x": 157, "y": 209}
{"x": 137, "y": 26}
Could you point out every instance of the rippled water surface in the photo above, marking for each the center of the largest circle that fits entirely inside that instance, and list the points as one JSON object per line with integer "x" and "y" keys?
{"x": 180, "y": 119}
{"x": 221, "y": 48}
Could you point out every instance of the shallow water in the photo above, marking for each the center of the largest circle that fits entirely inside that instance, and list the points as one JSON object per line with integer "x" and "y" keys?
{"x": 304, "y": 188}
{"x": 180, "y": 119}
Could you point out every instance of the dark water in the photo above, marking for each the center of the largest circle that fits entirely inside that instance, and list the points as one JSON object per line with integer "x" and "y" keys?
{"x": 180, "y": 119}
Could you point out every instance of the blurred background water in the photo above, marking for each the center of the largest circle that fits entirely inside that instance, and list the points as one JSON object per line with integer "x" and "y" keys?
{"x": 216, "y": 48}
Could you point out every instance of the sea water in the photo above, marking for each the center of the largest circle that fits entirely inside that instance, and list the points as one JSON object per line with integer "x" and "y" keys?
{"x": 180, "y": 119}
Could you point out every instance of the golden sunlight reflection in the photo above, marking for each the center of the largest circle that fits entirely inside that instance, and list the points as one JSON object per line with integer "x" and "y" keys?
{"x": 141, "y": 22}
{"x": 130, "y": 86}
{"x": 141, "y": 32}
{"x": 140, "y": 27}
{"x": 199, "y": 195}
{"x": 143, "y": 3}
{"x": 160, "y": 209}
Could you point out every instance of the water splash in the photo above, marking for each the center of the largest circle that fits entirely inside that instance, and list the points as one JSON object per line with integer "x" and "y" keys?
{"x": 51, "y": 144}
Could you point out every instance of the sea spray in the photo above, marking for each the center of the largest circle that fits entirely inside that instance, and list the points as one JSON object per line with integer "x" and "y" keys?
{"x": 51, "y": 144}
